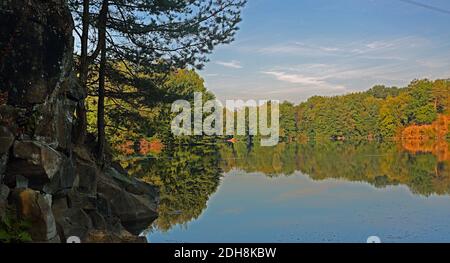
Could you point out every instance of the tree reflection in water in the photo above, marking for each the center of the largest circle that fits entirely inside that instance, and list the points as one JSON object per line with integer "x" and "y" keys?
{"x": 188, "y": 174}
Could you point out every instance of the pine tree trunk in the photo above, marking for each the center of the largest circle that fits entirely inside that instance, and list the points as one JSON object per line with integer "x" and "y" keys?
{"x": 101, "y": 106}
{"x": 81, "y": 125}
{"x": 101, "y": 85}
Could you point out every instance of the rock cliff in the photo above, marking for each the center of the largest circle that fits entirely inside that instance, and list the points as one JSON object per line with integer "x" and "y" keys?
{"x": 49, "y": 181}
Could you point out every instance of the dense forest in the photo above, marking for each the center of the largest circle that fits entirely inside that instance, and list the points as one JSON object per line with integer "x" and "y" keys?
{"x": 379, "y": 113}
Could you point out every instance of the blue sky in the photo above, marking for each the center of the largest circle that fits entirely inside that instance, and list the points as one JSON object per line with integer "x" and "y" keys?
{"x": 294, "y": 49}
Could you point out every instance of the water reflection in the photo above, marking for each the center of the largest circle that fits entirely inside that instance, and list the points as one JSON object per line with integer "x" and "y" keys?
{"x": 189, "y": 175}
{"x": 380, "y": 164}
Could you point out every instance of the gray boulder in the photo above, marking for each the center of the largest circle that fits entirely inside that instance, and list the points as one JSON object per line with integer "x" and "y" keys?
{"x": 35, "y": 208}
{"x": 136, "y": 211}
{"x": 86, "y": 177}
{"x": 64, "y": 181}
{"x": 72, "y": 222}
{"x": 39, "y": 155}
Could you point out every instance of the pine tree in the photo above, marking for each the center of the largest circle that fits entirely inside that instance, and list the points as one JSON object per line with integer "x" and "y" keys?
{"x": 151, "y": 38}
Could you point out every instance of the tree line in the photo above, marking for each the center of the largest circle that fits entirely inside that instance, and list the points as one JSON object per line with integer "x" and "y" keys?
{"x": 379, "y": 113}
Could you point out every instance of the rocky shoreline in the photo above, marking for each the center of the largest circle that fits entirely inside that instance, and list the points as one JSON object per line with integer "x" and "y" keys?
{"x": 50, "y": 181}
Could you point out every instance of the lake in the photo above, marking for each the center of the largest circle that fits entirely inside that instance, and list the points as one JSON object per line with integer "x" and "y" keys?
{"x": 331, "y": 192}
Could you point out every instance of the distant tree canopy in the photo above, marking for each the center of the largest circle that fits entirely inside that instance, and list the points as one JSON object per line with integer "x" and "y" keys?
{"x": 380, "y": 112}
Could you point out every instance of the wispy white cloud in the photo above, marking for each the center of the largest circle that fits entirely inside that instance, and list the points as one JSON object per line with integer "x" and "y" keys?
{"x": 381, "y": 49}
{"x": 306, "y": 81}
{"x": 434, "y": 63}
{"x": 294, "y": 78}
{"x": 297, "y": 48}
{"x": 380, "y": 45}
{"x": 356, "y": 63}
{"x": 212, "y": 75}
{"x": 230, "y": 64}
{"x": 334, "y": 75}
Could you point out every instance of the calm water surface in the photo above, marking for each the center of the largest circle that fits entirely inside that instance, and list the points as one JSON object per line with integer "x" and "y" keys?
{"x": 304, "y": 193}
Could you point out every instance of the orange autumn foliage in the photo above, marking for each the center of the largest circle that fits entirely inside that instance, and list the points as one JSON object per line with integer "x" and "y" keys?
{"x": 437, "y": 130}
{"x": 126, "y": 148}
{"x": 428, "y": 138}
{"x": 233, "y": 140}
{"x": 154, "y": 146}
{"x": 440, "y": 149}
{"x": 146, "y": 147}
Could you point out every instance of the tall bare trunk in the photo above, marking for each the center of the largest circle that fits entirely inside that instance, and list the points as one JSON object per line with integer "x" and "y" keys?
{"x": 101, "y": 84}
{"x": 101, "y": 106}
{"x": 81, "y": 126}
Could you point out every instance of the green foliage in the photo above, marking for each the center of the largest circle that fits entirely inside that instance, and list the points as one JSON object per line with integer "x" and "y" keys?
{"x": 392, "y": 115}
{"x": 419, "y": 110}
{"x": 13, "y": 230}
{"x": 187, "y": 170}
{"x": 425, "y": 114}
{"x": 382, "y": 92}
{"x": 288, "y": 122}
{"x": 129, "y": 120}
{"x": 380, "y": 112}
{"x": 350, "y": 116}
{"x": 187, "y": 175}
{"x": 150, "y": 39}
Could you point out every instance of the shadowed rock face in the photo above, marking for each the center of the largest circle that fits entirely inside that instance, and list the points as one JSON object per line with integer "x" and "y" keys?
{"x": 36, "y": 49}
{"x": 36, "y": 75}
{"x": 54, "y": 184}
